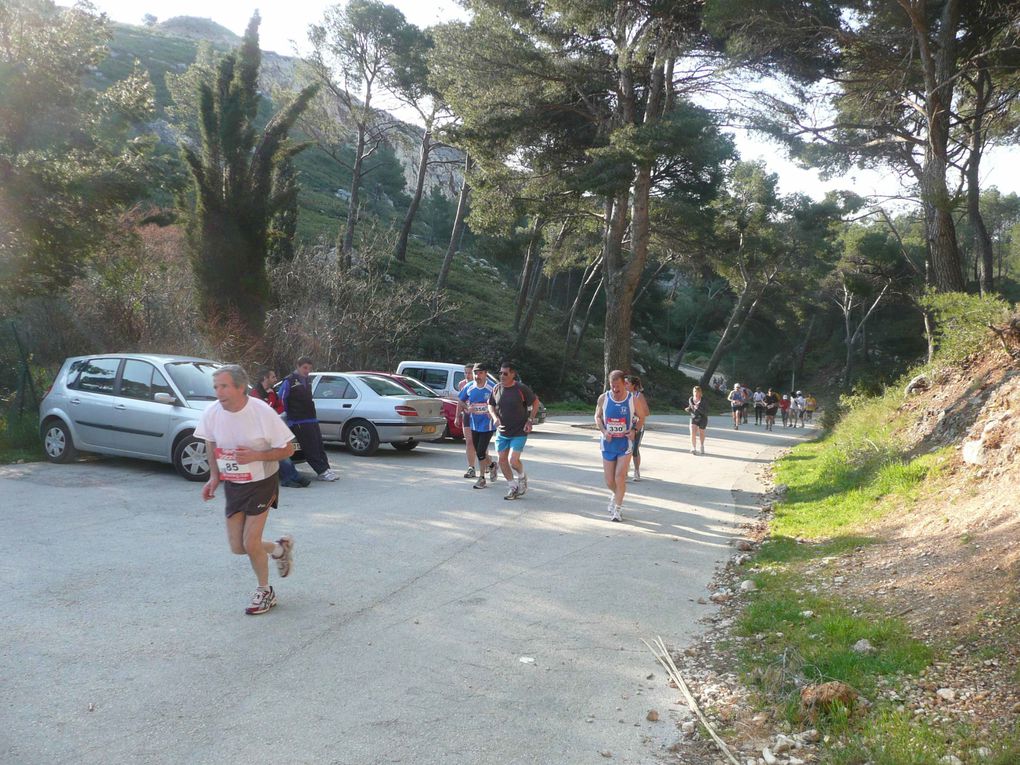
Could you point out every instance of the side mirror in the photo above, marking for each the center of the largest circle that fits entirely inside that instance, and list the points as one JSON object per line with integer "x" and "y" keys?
{"x": 164, "y": 398}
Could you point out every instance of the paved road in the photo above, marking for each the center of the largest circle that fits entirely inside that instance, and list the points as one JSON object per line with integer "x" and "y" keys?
{"x": 399, "y": 637}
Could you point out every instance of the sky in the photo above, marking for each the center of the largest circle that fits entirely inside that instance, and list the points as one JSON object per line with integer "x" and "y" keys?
{"x": 285, "y": 24}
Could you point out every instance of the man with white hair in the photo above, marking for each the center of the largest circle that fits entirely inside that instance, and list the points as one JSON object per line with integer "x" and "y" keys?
{"x": 246, "y": 439}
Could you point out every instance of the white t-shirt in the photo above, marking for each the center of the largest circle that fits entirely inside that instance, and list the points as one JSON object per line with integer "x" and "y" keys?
{"x": 256, "y": 426}
{"x": 797, "y": 403}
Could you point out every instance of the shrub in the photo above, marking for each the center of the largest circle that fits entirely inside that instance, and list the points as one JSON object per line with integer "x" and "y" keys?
{"x": 961, "y": 322}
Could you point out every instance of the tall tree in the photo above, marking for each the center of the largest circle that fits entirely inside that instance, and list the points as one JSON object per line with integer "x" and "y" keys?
{"x": 586, "y": 94}
{"x": 71, "y": 157}
{"x": 354, "y": 52}
{"x": 236, "y": 187}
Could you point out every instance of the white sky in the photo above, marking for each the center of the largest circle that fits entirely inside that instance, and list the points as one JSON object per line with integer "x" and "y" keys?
{"x": 285, "y": 23}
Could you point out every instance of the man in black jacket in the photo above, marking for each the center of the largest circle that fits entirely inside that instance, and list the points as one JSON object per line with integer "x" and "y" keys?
{"x": 296, "y": 395}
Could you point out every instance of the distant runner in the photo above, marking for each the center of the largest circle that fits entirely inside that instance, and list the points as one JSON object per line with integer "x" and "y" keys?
{"x": 797, "y": 407}
{"x": 759, "y": 406}
{"x": 512, "y": 406}
{"x": 810, "y": 405}
{"x": 699, "y": 419}
{"x": 474, "y": 397}
{"x": 784, "y": 408}
{"x": 771, "y": 407}
{"x": 618, "y": 423}
{"x": 247, "y": 439}
{"x": 633, "y": 384}
{"x": 736, "y": 399}
{"x": 465, "y": 423}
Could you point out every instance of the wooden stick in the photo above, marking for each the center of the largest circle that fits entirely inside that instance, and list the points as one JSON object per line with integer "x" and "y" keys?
{"x": 661, "y": 654}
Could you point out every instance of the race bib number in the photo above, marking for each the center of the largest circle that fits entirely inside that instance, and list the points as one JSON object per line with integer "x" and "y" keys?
{"x": 616, "y": 426}
{"x": 479, "y": 408}
{"x": 231, "y": 470}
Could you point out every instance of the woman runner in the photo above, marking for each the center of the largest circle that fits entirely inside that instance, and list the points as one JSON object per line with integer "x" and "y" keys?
{"x": 699, "y": 419}
{"x": 634, "y": 386}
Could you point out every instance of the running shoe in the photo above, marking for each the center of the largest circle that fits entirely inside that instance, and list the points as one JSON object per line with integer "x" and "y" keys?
{"x": 637, "y": 474}
{"x": 522, "y": 485}
{"x": 480, "y": 483}
{"x": 302, "y": 480}
{"x": 285, "y": 561}
{"x": 512, "y": 493}
{"x": 492, "y": 472}
{"x": 614, "y": 511}
{"x": 470, "y": 472}
{"x": 702, "y": 448}
{"x": 261, "y": 602}
{"x": 328, "y": 475}
{"x": 617, "y": 517}
{"x": 293, "y": 484}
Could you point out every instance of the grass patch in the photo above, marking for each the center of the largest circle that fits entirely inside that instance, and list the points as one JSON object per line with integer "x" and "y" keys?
{"x": 19, "y": 440}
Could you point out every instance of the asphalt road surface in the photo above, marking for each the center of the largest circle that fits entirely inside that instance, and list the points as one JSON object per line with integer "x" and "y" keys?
{"x": 424, "y": 622}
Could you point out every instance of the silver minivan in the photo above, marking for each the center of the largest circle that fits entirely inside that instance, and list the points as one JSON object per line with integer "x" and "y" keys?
{"x": 130, "y": 405}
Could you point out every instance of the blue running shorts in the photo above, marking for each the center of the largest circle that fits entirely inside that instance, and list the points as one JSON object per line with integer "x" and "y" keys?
{"x": 516, "y": 443}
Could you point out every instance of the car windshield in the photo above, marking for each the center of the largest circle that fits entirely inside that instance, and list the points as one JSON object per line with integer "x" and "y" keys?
{"x": 419, "y": 388}
{"x": 383, "y": 387}
{"x": 194, "y": 378}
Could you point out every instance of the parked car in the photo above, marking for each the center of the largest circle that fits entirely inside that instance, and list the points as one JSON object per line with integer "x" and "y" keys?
{"x": 418, "y": 388}
{"x": 445, "y": 378}
{"x": 130, "y": 405}
{"x": 363, "y": 410}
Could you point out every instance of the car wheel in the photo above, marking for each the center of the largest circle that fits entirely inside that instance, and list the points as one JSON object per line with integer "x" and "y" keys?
{"x": 191, "y": 459}
{"x": 404, "y": 446}
{"x": 446, "y": 433}
{"x": 57, "y": 442}
{"x": 361, "y": 438}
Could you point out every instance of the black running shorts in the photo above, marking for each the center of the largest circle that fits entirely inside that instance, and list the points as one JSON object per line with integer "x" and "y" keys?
{"x": 254, "y": 497}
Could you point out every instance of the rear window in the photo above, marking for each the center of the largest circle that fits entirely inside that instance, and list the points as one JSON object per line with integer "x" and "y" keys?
{"x": 194, "y": 378}
{"x": 383, "y": 387}
{"x": 419, "y": 388}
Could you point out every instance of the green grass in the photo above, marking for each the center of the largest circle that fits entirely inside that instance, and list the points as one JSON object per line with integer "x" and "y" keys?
{"x": 19, "y": 440}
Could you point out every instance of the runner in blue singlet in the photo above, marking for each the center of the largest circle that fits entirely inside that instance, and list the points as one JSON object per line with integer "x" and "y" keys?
{"x": 616, "y": 420}
{"x": 474, "y": 399}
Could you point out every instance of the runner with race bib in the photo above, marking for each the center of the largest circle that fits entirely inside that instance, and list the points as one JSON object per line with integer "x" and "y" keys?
{"x": 617, "y": 422}
{"x": 475, "y": 400}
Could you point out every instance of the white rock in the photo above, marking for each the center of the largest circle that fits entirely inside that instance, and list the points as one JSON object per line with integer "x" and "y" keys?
{"x": 946, "y": 694}
{"x": 748, "y": 585}
{"x": 863, "y": 646}
{"x": 770, "y": 759}
{"x": 983, "y": 752}
{"x": 838, "y": 579}
{"x": 807, "y": 614}
{"x": 951, "y": 759}
{"x": 974, "y": 452}
{"x": 689, "y": 727}
{"x": 783, "y": 744}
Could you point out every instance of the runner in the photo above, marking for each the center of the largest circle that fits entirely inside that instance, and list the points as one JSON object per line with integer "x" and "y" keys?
{"x": 618, "y": 422}
{"x": 759, "y": 406}
{"x": 736, "y": 399}
{"x": 784, "y": 408}
{"x": 465, "y": 422}
{"x": 296, "y": 395}
{"x": 810, "y": 404}
{"x": 633, "y": 385}
{"x": 263, "y": 390}
{"x": 474, "y": 397}
{"x": 771, "y": 407}
{"x": 797, "y": 404}
{"x": 745, "y": 393}
{"x": 512, "y": 406}
{"x": 699, "y": 419}
{"x": 247, "y": 439}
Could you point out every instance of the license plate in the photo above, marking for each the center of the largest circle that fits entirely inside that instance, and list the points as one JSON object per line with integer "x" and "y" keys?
{"x": 429, "y": 429}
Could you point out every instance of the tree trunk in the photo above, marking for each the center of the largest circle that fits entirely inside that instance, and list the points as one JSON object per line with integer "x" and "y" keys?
{"x": 983, "y": 255}
{"x": 723, "y": 344}
{"x": 458, "y": 228}
{"x": 939, "y": 69}
{"x": 619, "y": 290}
{"x": 525, "y": 283}
{"x": 352, "y": 211}
{"x": 535, "y": 292}
{"x": 400, "y": 251}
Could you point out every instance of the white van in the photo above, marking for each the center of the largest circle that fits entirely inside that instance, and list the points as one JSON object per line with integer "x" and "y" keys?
{"x": 443, "y": 378}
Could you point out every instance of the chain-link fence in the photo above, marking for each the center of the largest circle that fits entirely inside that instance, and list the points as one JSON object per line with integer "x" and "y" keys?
{"x": 19, "y": 393}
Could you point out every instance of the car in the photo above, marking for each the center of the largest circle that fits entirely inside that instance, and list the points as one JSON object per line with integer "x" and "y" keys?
{"x": 137, "y": 405}
{"x": 418, "y": 388}
{"x": 364, "y": 410}
{"x": 445, "y": 379}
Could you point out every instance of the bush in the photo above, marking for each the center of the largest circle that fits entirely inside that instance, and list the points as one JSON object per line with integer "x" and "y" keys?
{"x": 19, "y": 438}
{"x": 961, "y": 322}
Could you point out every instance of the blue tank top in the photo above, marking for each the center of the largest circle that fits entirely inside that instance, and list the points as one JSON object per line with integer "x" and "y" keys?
{"x": 477, "y": 401}
{"x": 618, "y": 417}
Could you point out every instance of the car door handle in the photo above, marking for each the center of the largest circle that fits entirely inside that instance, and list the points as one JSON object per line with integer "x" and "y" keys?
{"x": 119, "y": 406}
{"x": 75, "y": 400}
{"x": 346, "y": 406}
